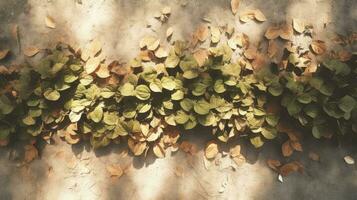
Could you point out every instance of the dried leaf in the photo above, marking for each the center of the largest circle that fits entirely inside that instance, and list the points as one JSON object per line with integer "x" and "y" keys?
{"x": 298, "y": 25}
{"x": 291, "y": 167}
{"x": 92, "y": 64}
{"x": 286, "y": 31}
{"x": 137, "y": 147}
{"x": 314, "y": 156}
{"x": 161, "y": 53}
{"x": 318, "y": 47}
{"x": 3, "y": 53}
{"x": 349, "y": 160}
{"x": 215, "y": 34}
{"x": 259, "y": 16}
{"x": 179, "y": 171}
{"x": 31, "y": 153}
{"x": 169, "y": 32}
{"x": 50, "y": 22}
{"x": 239, "y": 160}
{"x": 235, "y": 151}
{"x": 272, "y": 48}
{"x": 166, "y": 10}
{"x": 234, "y": 6}
{"x": 201, "y": 56}
{"x": 115, "y": 170}
{"x": 286, "y": 149}
{"x": 272, "y": 32}
{"x": 296, "y": 145}
{"x": 202, "y": 33}
{"x": 31, "y": 51}
{"x": 103, "y": 71}
{"x": 188, "y": 147}
{"x": 211, "y": 150}
{"x": 274, "y": 164}
{"x": 158, "y": 151}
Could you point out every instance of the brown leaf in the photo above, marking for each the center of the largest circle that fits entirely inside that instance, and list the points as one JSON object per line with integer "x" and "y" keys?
{"x": 115, "y": 170}
{"x": 234, "y": 6}
{"x": 291, "y": 167}
{"x": 296, "y": 145}
{"x": 4, "y": 142}
{"x": 179, "y": 171}
{"x": 344, "y": 55}
{"x": 314, "y": 156}
{"x": 31, "y": 51}
{"x": 272, "y": 32}
{"x": 166, "y": 10}
{"x": 137, "y": 147}
{"x": 31, "y": 153}
{"x": 3, "y": 53}
{"x": 247, "y": 15}
{"x": 235, "y": 151}
{"x": 188, "y": 147}
{"x": 239, "y": 160}
{"x": 298, "y": 25}
{"x": 273, "y": 164}
{"x": 92, "y": 49}
{"x": 286, "y": 31}
{"x": 201, "y": 56}
{"x": 50, "y": 22}
{"x": 211, "y": 150}
{"x": 202, "y": 33}
{"x": 272, "y": 48}
{"x": 158, "y": 151}
{"x": 318, "y": 47}
{"x": 103, "y": 71}
{"x": 286, "y": 149}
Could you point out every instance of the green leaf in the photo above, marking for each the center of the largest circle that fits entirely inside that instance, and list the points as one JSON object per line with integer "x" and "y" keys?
{"x": 347, "y": 103}
{"x": 311, "y": 110}
{"x": 190, "y": 74}
{"x": 272, "y": 120}
{"x": 186, "y": 104}
{"x": 275, "y": 89}
{"x": 51, "y": 94}
{"x": 75, "y": 116}
{"x": 6, "y": 106}
{"x": 172, "y": 60}
{"x": 181, "y": 117}
{"x": 156, "y": 86}
{"x": 256, "y": 141}
{"x": 202, "y": 107}
{"x": 338, "y": 67}
{"x": 110, "y": 118}
{"x": 106, "y": 93}
{"x": 294, "y": 108}
{"x": 28, "y": 120}
{"x": 86, "y": 80}
{"x": 97, "y": 114}
{"x": 269, "y": 132}
{"x": 142, "y": 92}
{"x": 70, "y": 78}
{"x": 304, "y": 98}
{"x": 219, "y": 86}
{"x": 144, "y": 108}
{"x": 127, "y": 90}
{"x": 178, "y": 95}
{"x": 199, "y": 89}
{"x": 168, "y": 83}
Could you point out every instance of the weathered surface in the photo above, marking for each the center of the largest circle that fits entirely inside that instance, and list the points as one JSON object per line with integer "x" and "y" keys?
{"x": 65, "y": 172}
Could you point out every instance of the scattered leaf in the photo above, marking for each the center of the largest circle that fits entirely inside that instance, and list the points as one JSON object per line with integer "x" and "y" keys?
{"x": 296, "y": 145}
{"x": 115, "y": 170}
{"x": 158, "y": 151}
{"x": 202, "y": 32}
{"x": 161, "y": 53}
{"x": 274, "y": 164}
{"x": 3, "y": 53}
{"x": 349, "y": 160}
{"x": 92, "y": 64}
{"x": 31, "y": 153}
{"x": 234, "y": 6}
{"x": 298, "y": 25}
{"x": 314, "y": 156}
{"x": 50, "y": 22}
{"x": 31, "y": 51}
{"x": 291, "y": 167}
{"x": 201, "y": 56}
{"x": 318, "y": 47}
{"x": 286, "y": 149}
{"x": 211, "y": 150}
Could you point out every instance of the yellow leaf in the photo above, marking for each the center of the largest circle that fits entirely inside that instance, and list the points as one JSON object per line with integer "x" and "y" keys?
{"x": 234, "y": 6}
{"x": 158, "y": 151}
{"x": 115, "y": 170}
{"x": 298, "y": 25}
{"x": 239, "y": 160}
{"x": 259, "y": 16}
{"x": 215, "y": 34}
{"x": 50, "y": 22}
{"x": 235, "y": 151}
{"x": 31, "y": 51}
{"x": 161, "y": 53}
{"x": 3, "y": 53}
{"x": 92, "y": 64}
{"x": 211, "y": 150}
